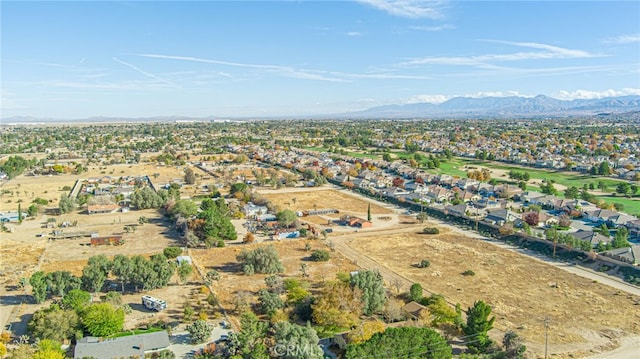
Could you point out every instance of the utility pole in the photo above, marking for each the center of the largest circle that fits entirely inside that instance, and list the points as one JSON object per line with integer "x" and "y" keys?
{"x": 546, "y": 336}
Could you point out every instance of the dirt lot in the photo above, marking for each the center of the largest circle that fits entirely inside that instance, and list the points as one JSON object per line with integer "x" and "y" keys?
{"x": 522, "y": 291}
{"x": 300, "y": 199}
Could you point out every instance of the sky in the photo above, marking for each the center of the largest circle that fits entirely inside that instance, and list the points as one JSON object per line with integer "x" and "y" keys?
{"x": 79, "y": 59}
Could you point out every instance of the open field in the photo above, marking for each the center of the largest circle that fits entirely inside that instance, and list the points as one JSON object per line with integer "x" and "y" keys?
{"x": 323, "y": 198}
{"x": 583, "y": 314}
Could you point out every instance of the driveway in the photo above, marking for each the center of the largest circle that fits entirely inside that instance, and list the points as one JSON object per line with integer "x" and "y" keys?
{"x": 181, "y": 343}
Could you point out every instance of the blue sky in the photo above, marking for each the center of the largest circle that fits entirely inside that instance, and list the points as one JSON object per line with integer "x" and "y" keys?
{"x": 270, "y": 58}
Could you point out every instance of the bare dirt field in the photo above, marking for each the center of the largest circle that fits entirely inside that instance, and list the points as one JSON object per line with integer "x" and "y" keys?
{"x": 522, "y": 291}
{"x": 292, "y": 254}
{"x": 310, "y": 198}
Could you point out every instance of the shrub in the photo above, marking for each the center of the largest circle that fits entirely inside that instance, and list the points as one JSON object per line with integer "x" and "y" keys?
{"x": 430, "y": 230}
{"x": 320, "y": 255}
{"x": 424, "y": 264}
{"x": 172, "y": 252}
{"x": 261, "y": 260}
{"x": 468, "y": 272}
{"x": 220, "y": 243}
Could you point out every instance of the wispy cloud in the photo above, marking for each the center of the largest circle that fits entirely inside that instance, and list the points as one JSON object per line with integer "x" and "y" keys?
{"x": 354, "y": 33}
{"x": 8, "y": 103}
{"x": 123, "y": 85}
{"x": 409, "y": 8}
{"x": 433, "y": 28}
{"x": 550, "y": 52}
{"x": 283, "y": 70}
{"x": 623, "y": 39}
{"x": 426, "y": 99}
{"x": 587, "y": 94}
{"x": 137, "y": 69}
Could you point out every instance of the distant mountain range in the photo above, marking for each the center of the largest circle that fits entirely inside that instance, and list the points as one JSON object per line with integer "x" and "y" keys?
{"x": 458, "y": 107}
{"x": 514, "y": 106}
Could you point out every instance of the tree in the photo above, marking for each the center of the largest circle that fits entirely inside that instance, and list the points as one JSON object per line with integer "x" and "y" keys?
{"x": 59, "y": 282}
{"x": 189, "y": 176}
{"x": 572, "y": 192}
{"x": 421, "y": 217}
{"x": 369, "y": 212}
{"x": 66, "y": 204}
{"x": 286, "y": 217}
{"x": 76, "y": 299}
{"x": 95, "y": 273}
{"x": 239, "y": 187}
{"x": 623, "y": 188}
{"x": 249, "y": 342}
{"x": 299, "y": 342}
{"x": 338, "y": 307}
{"x": 477, "y": 326}
{"x": 532, "y": 218}
{"x": 620, "y": 239}
{"x": 372, "y": 286}
{"x": 184, "y": 271}
{"x": 53, "y": 323}
{"x": 261, "y": 260}
{"x": 172, "y": 252}
{"x": 415, "y": 292}
{"x": 146, "y": 198}
{"x": 102, "y": 319}
{"x": 270, "y": 302}
{"x": 123, "y": 269}
{"x": 513, "y": 346}
{"x": 20, "y": 212}
{"x": 402, "y": 342}
{"x": 320, "y": 255}
{"x": 38, "y": 286}
{"x": 199, "y": 331}
{"x": 48, "y": 349}
{"x": 440, "y": 311}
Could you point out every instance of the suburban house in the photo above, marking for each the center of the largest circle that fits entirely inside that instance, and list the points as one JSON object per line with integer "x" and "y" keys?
{"x": 634, "y": 228}
{"x": 457, "y": 210}
{"x": 122, "y": 347}
{"x": 625, "y": 254}
{"x": 591, "y": 237}
{"x": 501, "y": 216}
{"x": 599, "y": 215}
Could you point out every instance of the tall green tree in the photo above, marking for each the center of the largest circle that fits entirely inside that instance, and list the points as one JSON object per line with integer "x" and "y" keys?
{"x": 299, "y": 342}
{"x": 102, "y": 319}
{"x": 123, "y": 269}
{"x": 372, "y": 286}
{"x": 248, "y": 343}
{"x": 53, "y": 323}
{"x": 415, "y": 292}
{"x": 76, "y": 299}
{"x": 59, "y": 282}
{"x": 38, "y": 286}
{"x": 621, "y": 238}
{"x": 287, "y": 217}
{"x": 478, "y": 325}
{"x": 95, "y": 273}
{"x": 402, "y": 342}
